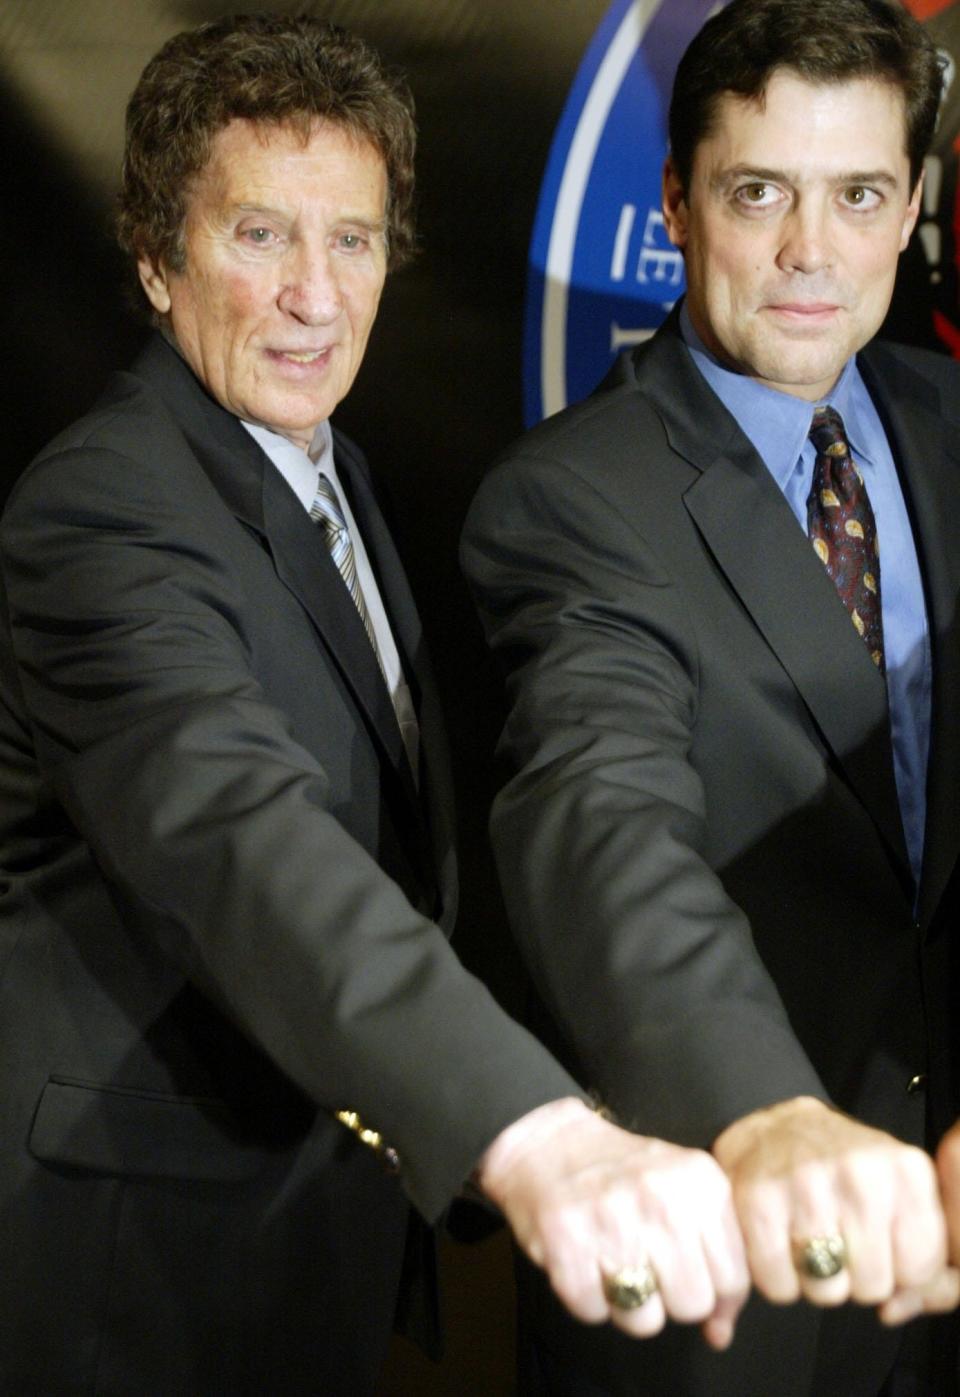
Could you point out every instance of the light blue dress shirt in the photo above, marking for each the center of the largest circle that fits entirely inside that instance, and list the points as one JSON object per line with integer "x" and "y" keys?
{"x": 778, "y": 425}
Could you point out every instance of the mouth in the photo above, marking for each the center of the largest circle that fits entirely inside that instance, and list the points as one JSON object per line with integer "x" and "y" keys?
{"x": 305, "y": 358}
{"x": 804, "y": 312}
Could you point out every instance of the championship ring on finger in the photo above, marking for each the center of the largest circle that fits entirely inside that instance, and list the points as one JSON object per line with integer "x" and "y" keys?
{"x": 821, "y": 1258}
{"x": 630, "y": 1287}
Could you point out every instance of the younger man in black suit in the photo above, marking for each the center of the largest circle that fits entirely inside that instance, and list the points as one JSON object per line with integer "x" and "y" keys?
{"x": 725, "y": 590}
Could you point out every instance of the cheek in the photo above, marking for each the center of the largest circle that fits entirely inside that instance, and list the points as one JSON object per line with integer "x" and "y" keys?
{"x": 726, "y": 260}
{"x": 363, "y": 311}
{"x": 727, "y": 277}
{"x": 240, "y": 296}
{"x": 225, "y": 303}
{"x": 874, "y": 269}
{"x": 740, "y": 259}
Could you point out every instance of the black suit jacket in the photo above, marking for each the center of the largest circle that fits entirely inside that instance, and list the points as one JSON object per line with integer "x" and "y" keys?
{"x": 222, "y": 900}
{"x": 701, "y": 845}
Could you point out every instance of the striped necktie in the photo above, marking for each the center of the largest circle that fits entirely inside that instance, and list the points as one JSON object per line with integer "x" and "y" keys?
{"x": 326, "y": 512}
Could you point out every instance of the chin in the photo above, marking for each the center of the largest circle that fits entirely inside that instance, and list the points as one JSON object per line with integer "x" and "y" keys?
{"x": 303, "y": 419}
{"x": 800, "y": 374}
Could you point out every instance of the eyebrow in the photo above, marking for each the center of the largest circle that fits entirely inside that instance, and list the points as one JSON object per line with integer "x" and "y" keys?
{"x": 760, "y": 174}
{"x": 374, "y": 225}
{"x": 256, "y": 208}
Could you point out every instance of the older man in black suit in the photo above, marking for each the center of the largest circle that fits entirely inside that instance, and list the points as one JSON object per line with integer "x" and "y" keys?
{"x": 233, "y": 1040}
{"x": 725, "y": 588}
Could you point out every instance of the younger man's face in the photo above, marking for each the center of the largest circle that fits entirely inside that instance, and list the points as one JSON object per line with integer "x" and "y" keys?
{"x": 798, "y": 209}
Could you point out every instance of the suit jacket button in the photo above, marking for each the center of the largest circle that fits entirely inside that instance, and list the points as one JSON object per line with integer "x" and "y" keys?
{"x": 917, "y": 1083}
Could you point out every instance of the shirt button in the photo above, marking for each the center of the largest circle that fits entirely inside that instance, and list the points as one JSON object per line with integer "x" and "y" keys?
{"x": 917, "y": 1083}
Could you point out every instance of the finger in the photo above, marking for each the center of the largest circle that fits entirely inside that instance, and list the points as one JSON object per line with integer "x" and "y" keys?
{"x": 625, "y": 1250}
{"x": 642, "y": 1323}
{"x": 719, "y": 1329}
{"x": 726, "y": 1260}
{"x": 570, "y": 1248}
{"x": 868, "y": 1185}
{"x": 919, "y": 1227}
{"x": 645, "y": 1314}
{"x": 686, "y": 1286}
{"x": 763, "y": 1210}
{"x": 815, "y": 1222}
{"x": 699, "y": 1257}
{"x": 726, "y": 1255}
{"x": 937, "y": 1297}
{"x": 948, "y": 1168}
{"x": 582, "y": 1295}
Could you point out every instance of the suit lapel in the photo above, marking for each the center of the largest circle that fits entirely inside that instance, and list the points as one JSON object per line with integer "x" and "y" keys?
{"x": 262, "y": 501}
{"x": 391, "y": 578}
{"x": 434, "y": 775}
{"x": 777, "y": 577}
{"x": 929, "y": 468}
{"x": 306, "y": 568}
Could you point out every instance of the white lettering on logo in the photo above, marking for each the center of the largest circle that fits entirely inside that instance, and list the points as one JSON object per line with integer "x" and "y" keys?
{"x": 658, "y": 263}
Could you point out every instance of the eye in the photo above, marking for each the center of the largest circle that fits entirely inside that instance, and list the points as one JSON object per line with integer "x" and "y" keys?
{"x": 259, "y": 236}
{"x": 758, "y": 194}
{"x": 352, "y": 242}
{"x": 858, "y": 196}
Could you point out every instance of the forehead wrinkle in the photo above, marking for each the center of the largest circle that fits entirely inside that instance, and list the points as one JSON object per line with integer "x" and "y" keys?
{"x": 220, "y": 170}
{"x": 258, "y": 206}
{"x": 357, "y": 220}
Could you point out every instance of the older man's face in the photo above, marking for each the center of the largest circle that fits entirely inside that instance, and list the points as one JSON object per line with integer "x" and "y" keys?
{"x": 798, "y": 209}
{"x": 285, "y": 261}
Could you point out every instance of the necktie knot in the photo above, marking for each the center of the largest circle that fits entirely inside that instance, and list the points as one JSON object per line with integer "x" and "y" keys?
{"x": 326, "y": 509}
{"x": 843, "y": 530}
{"x": 827, "y": 432}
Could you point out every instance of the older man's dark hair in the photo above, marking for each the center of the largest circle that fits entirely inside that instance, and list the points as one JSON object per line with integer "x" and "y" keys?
{"x": 822, "y": 41}
{"x": 269, "y": 69}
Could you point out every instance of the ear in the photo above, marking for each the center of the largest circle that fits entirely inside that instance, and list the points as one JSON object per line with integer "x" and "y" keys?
{"x": 154, "y": 280}
{"x": 912, "y": 214}
{"x": 674, "y": 204}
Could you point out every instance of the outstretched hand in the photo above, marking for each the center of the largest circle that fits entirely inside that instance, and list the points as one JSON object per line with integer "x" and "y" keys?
{"x": 806, "y": 1178}
{"x": 586, "y": 1200}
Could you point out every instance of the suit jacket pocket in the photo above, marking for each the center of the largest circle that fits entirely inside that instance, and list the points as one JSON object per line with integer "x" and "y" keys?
{"x": 125, "y": 1131}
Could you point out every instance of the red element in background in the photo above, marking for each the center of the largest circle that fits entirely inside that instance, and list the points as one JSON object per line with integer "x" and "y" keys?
{"x": 946, "y": 331}
{"x": 926, "y": 9}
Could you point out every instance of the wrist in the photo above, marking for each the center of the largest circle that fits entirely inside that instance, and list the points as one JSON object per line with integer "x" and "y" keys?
{"x": 531, "y": 1134}
{"x": 742, "y": 1134}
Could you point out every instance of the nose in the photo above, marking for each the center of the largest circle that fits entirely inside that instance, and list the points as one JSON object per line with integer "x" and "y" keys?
{"x": 311, "y": 289}
{"x": 805, "y": 245}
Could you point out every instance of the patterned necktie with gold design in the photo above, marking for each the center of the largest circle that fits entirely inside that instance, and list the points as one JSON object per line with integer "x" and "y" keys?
{"x": 843, "y": 531}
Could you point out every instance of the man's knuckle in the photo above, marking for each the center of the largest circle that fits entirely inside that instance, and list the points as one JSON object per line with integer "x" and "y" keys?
{"x": 918, "y": 1170}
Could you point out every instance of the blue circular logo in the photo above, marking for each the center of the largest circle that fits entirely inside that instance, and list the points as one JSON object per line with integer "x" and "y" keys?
{"x": 602, "y": 273}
